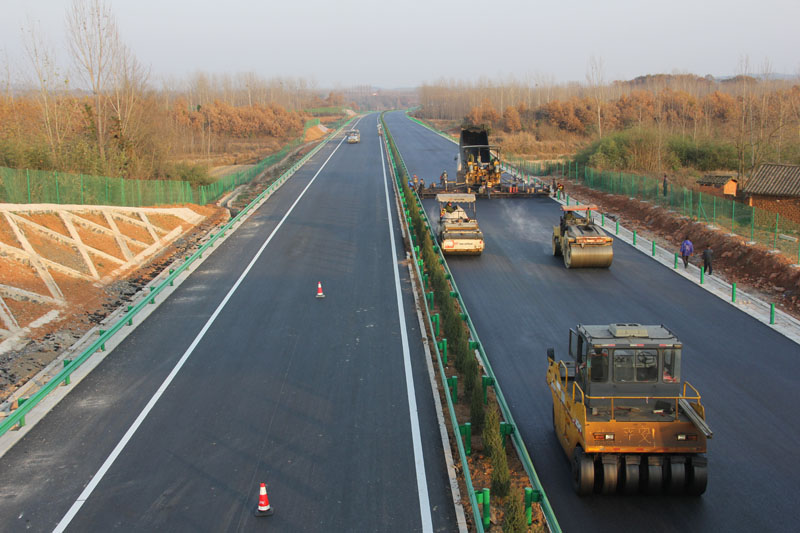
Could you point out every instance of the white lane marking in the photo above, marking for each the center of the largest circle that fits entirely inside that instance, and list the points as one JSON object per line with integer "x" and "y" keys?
{"x": 62, "y": 525}
{"x": 419, "y": 459}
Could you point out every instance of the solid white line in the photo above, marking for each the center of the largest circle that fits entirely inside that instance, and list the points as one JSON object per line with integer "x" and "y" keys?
{"x": 419, "y": 459}
{"x": 62, "y": 525}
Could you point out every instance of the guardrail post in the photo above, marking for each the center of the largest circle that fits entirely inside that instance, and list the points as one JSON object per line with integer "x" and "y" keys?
{"x": 506, "y": 429}
{"x": 654, "y": 248}
{"x": 634, "y": 237}
{"x": 676, "y": 259}
{"x": 452, "y": 383}
{"x": 486, "y": 382}
{"x": 474, "y": 345}
{"x": 466, "y": 432}
{"x": 453, "y": 294}
{"x": 568, "y": 200}
{"x": 442, "y": 344}
{"x": 463, "y": 316}
{"x": 130, "y": 320}
{"x": 531, "y": 497}
{"x": 171, "y": 282}
{"x": 772, "y": 313}
{"x": 733, "y": 292}
{"x": 487, "y": 509}
{"x": 435, "y": 320}
{"x": 425, "y": 281}
{"x": 702, "y": 275}
{"x": 602, "y": 219}
{"x": 102, "y": 346}
{"x": 430, "y": 299}
{"x": 67, "y": 380}
{"x": 617, "y": 230}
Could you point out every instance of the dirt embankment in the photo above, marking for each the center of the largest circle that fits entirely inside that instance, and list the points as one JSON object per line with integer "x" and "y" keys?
{"x": 752, "y": 267}
{"x": 87, "y": 304}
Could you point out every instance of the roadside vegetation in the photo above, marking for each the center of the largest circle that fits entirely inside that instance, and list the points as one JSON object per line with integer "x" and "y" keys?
{"x": 94, "y": 108}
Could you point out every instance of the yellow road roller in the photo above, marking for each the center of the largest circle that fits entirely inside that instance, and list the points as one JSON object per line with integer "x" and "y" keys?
{"x": 623, "y": 414}
{"x": 459, "y": 233}
{"x": 580, "y": 241}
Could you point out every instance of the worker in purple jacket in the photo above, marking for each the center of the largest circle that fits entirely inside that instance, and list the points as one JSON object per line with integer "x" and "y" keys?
{"x": 687, "y": 249}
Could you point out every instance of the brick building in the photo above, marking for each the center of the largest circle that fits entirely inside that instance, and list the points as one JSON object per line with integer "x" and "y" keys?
{"x": 719, "y": 185}
{"x": 775, "y": 188}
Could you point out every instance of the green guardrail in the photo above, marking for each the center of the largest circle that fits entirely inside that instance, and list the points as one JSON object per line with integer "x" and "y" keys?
{"x": 17, "y": 417}
{"x": 525, "y": 458}
{"x": 450, "y": 407}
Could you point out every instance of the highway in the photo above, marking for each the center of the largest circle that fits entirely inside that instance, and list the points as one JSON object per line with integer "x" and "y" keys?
{"x": 522, "y": 300}
{"x": 242, "y": 376}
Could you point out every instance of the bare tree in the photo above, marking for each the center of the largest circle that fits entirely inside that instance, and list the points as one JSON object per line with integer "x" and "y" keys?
{"x": 128, "y": 80}
{"x": 595, "y": 77}
{"x": 93, "y": 37}
{"x": 50, "y": 82}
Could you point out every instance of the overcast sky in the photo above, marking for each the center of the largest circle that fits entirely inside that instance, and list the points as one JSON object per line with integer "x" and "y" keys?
{"x": 407, "y": 42}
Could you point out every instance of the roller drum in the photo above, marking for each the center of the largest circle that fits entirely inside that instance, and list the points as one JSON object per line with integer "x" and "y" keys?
{"x": 588, "y": 256}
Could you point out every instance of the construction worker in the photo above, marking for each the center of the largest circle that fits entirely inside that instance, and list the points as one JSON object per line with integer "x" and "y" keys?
{"x": 687, "y": 250}
{"x": 443, "y": 179}
{"x": 415, "y": 180}
{"x": 449, "y": 208}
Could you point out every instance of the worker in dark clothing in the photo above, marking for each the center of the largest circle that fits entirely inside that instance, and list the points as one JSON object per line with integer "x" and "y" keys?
{"x": 687, "y": 249}
{"x": 708, "y": 255}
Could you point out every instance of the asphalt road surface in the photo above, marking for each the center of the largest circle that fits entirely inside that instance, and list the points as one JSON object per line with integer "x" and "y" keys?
{"x": 308, "y": 395}
{"x": 522, "y": 300}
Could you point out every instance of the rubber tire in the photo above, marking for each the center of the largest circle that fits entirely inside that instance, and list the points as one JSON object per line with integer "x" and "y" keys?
{"x": 677, "y": 478}
{"x": 610, "y": 478}
{"x": 630, "y": 483}
{"x": 655, "y": 478}
{"x": 582, "y": 473}
{"x": 697, "y": 480}
{"x": 556, "y": 247}
{"x": 567, "y": 258}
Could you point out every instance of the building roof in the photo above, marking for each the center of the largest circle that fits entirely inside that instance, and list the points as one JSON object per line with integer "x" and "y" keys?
{"x": 772, "y": 179}
{"x": 716, "y": 181}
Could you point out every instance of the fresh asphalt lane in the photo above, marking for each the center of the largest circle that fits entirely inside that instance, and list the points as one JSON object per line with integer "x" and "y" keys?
{"x": 307, "y": 395}
{"x": 522, "y": 301}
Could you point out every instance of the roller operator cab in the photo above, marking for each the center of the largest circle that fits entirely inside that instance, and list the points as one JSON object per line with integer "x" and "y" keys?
{"x": 623, "y": 414}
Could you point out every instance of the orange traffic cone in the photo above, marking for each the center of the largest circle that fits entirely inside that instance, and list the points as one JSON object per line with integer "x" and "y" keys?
{"x": 320, "y": 294}
{"x": 263, "y": 508}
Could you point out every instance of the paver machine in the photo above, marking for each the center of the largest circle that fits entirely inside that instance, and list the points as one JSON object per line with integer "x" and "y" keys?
{"x": 623, "y": 414}
{"x": 459, "y": 233}
{"x": 479, "y": 171}
{"x": 580, "y": 241}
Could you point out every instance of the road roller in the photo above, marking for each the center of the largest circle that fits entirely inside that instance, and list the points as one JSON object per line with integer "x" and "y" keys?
{"x": 580, "y": 241}
{"x": 625, "y": 418}
{"x": 459, "y": 233}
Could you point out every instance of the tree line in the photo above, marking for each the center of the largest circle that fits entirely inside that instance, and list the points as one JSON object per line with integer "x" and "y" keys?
{"x": 649, "y": 123}
{"x": 99, "y": 112}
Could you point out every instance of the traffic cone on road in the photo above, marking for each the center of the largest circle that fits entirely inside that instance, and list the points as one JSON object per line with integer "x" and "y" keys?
{"x": 263, "y": 508}
{"x": 320, "y": 294}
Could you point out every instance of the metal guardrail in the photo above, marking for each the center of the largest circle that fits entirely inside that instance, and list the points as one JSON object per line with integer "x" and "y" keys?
{"x": 525, "y": 458}
{"x": 17, "y": 417}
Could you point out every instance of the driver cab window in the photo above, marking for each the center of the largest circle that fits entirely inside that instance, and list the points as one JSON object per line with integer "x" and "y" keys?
{"x": 672, "y": 366}
{"x": 598, "y": 365}
{"x": 638, "y": 366}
